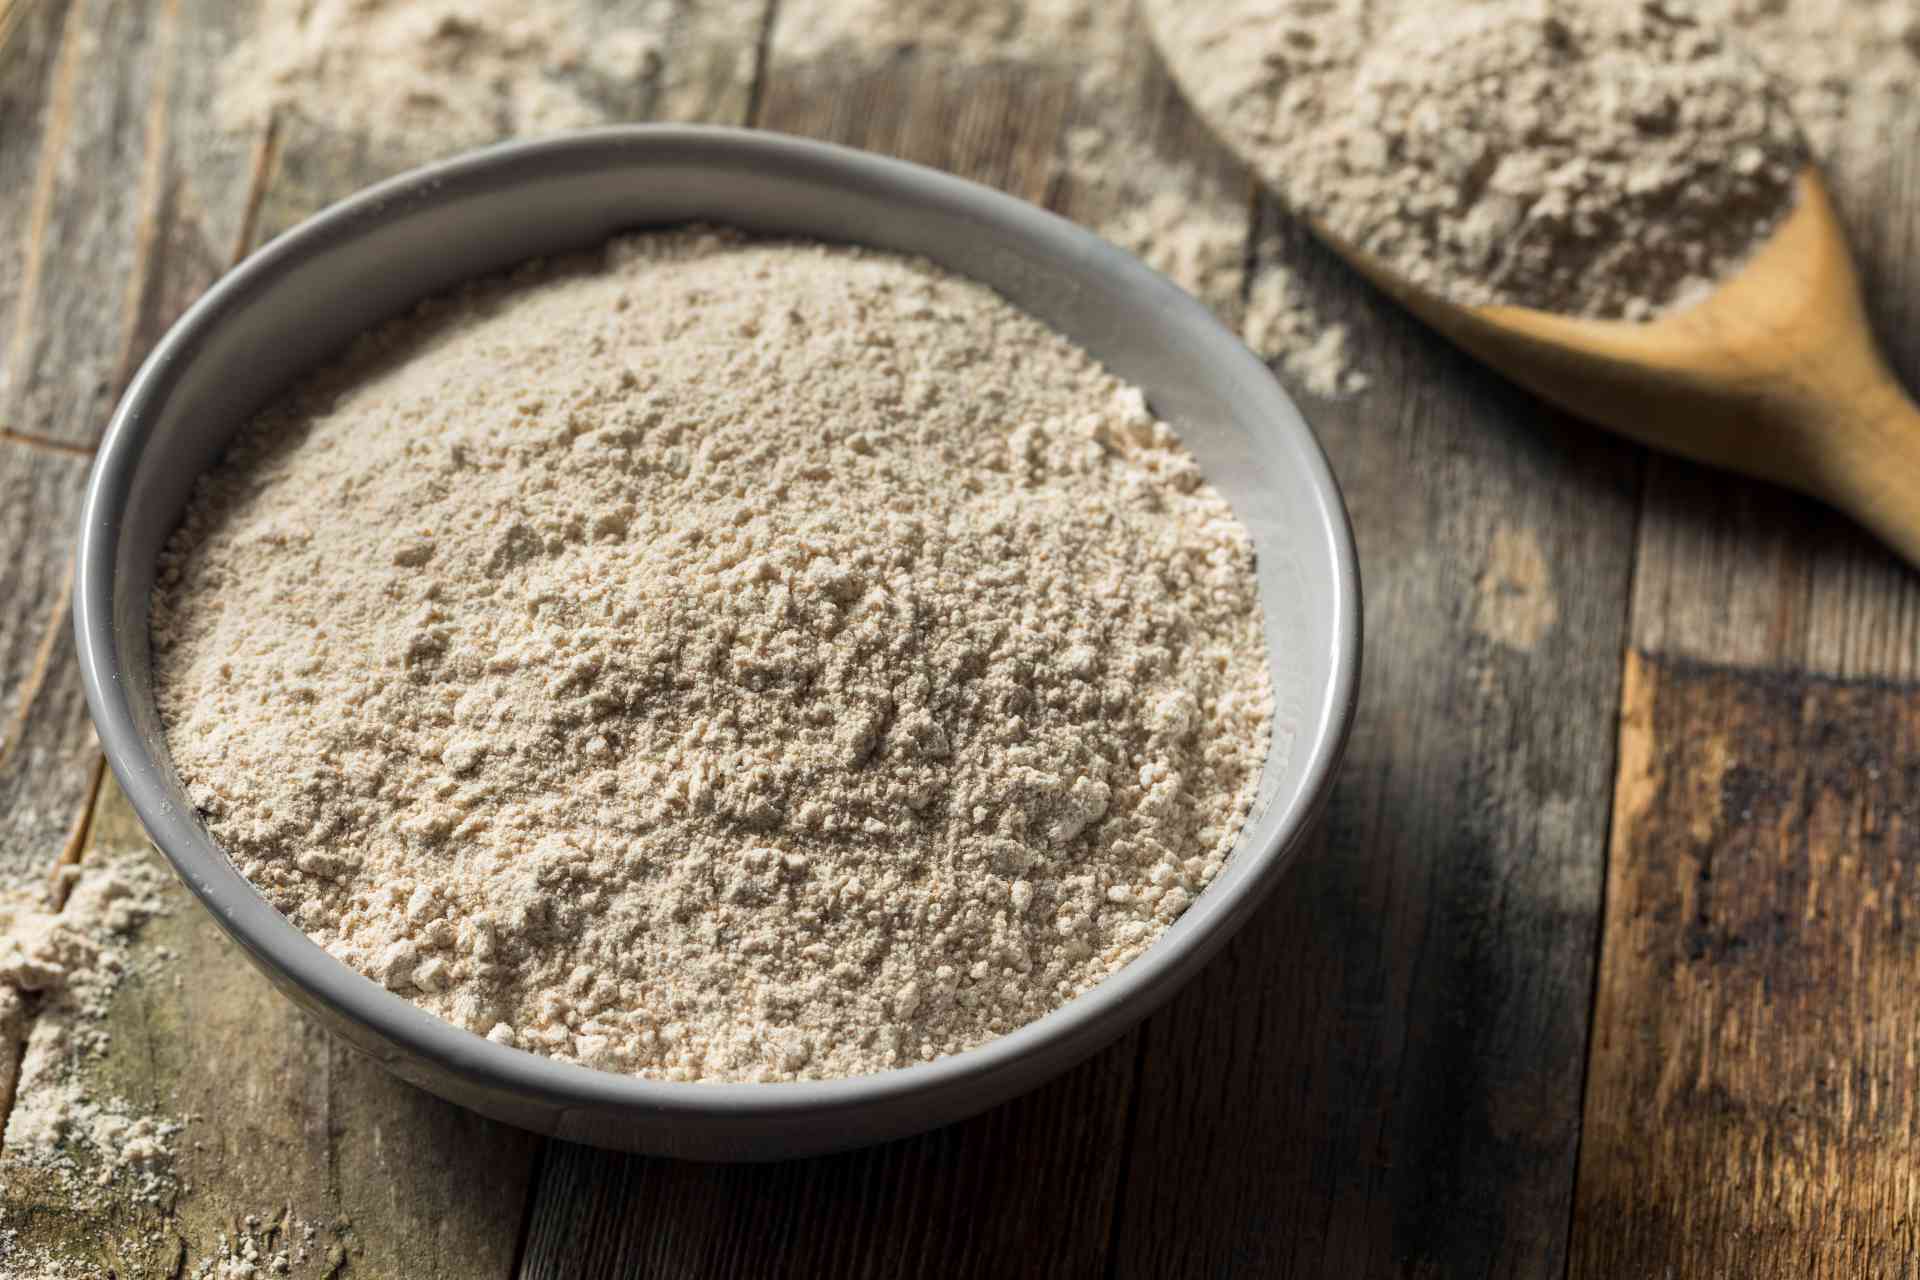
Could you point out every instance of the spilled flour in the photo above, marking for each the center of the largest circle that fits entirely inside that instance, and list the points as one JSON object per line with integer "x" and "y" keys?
{"x": 259, "y": 1248}
{"x": 434, "y": 76}
{"x": 1596, "y": 160}
{"x": 59, "y": 970}
{"x": 719, "y": 660}
{"x": 1282, "y": 318}
{"x": 1205, "y": 254}
{"x": 1159, "y": 207}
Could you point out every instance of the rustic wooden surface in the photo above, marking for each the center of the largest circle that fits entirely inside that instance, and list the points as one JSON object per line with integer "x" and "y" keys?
{"x": 1752, "y": 1105}
{"x": 1599, "y": 965}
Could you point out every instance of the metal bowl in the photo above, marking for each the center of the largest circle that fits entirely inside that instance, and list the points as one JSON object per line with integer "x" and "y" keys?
{"x": 297, "y": 302}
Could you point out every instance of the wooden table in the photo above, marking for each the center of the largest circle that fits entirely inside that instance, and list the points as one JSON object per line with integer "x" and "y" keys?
{"x": 1601, "y": 963}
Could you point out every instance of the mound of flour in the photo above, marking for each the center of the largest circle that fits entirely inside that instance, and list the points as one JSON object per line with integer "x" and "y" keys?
{"x": 719, "y": 660}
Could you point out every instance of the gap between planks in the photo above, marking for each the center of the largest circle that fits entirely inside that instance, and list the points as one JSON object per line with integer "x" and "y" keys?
{"x": 32, "y": 440}
{"x": 1612, "y": 817}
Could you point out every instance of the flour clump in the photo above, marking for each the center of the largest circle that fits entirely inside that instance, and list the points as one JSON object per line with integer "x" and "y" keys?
{"x": 718, "y": 659}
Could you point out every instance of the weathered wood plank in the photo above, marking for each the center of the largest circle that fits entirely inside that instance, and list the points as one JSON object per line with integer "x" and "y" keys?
{"x": 282, "y": 1124}
{"x": 111, "y": 158}
{"x": 1024, "y": 1190}
{"x": 209, "y": 180}
{"x": 710, "y": 63}
{"x": 30, "y": 70}
{"x": 1090, "y": 127}
{"x": 46, "y": 741}
{"x": 1734, "y": 571}
{"x": 1381, "y": 1076}
{"x": 85, "y": 218}
{"x": 1751, "y": 1106}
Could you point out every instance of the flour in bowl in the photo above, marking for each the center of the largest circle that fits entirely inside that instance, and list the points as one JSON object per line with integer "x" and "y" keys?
{"x": 718, "y": 659}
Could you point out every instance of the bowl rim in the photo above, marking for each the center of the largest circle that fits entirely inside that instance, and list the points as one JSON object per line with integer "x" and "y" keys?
{"x": 294, "y": 958}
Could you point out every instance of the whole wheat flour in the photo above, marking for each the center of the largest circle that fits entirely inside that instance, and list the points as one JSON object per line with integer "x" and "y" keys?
{"x": 719, "y": 660}
{"x": 1591, "y": 159}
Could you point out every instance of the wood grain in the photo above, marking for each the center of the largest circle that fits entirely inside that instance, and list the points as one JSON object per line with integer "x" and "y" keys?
{"x": 46, "y": 741}
{"x": 1024, "y": 1190}
{"x": 30, "y": 68}
{"x": 37, "y": 88}
{"x": 44, "y": 738}
{"x": 201, "y": 196}
{"x": 1737, "y": 572}
{"x": 78, "y": 276}
{"x": 281, "y": 1123}
{"x": 84, "y": 260}
{"x": 1382, "y": 1073}
{"x": 1751, "y": 1108}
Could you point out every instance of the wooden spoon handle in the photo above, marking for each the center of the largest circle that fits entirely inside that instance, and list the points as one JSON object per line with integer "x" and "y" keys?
{"x": 1870, "y": 467}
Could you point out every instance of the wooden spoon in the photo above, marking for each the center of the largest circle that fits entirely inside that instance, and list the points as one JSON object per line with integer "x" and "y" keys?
{"x": 1775, "y": 373}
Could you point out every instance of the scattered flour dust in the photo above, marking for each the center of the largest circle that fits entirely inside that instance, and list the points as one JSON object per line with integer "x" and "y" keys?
{"x": 432, "y": 76}
{"x": 420, "y": 77}
{"x": 1146, "y": 203}
{"x": 719, "y": 659}
{"x": 1205, "y": 253}
{"x": 59, "y": 969}
{"x": 1281, "y": 318}
{"x": 261, "y": 1248}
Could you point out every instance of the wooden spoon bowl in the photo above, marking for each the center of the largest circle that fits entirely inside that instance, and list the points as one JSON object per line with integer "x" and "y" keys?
{"x": 1775, "y": 373}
